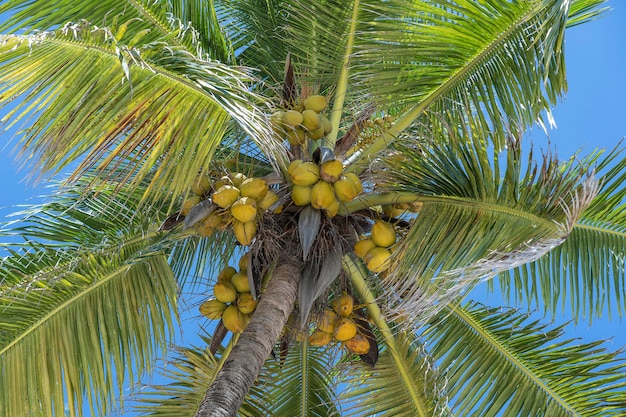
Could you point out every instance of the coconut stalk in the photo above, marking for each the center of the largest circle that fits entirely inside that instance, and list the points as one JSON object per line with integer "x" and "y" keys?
{"x": 227, "y": 392}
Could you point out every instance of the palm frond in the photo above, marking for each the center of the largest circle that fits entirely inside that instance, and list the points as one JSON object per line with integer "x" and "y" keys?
{"x": 491, "y": 66}
{"x": 200, "y": 18}
{"x": 382, "y": 390}
{"x": 502, "y": 363}
{"x": 188, "y": 24}
{"x": 586, "y": 272}
{"x": 95, "y": 318}
{"x": 191, "y": 372}
{"x": 264, "y": 32}
{"x": 91, "y": 292}
{"x": 582, "y": 11}
{"x": 406, "y": 365}
{"x": 474, "y": 222}
{"x": 166, "y": 111}
{"x": 306, "y": 383}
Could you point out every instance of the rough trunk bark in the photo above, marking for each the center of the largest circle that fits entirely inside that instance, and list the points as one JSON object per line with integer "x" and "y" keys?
{"x": 254, "y": 346}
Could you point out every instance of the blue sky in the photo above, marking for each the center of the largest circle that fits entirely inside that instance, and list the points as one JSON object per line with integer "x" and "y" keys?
{"x": 592, "y": 114}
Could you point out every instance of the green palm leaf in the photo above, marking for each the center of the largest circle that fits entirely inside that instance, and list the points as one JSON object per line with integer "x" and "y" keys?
{"x": 476, "y": 221}
{"x": 165, "y": 119}
{"x": 140, "y": 20}
{"x": 382, "y": 390}
{"x": 587, "y": 270}
{"x": 192, "y": 371}
{"x": 306, "y": 383}
{"x": 312, "y": 32}
{"x": 405, "y": 379}
{"x": 489, "y": 68}
{"x": 205, "y": 26}
{"x": 501, "y": 363}
{"x": 79, "y": 320}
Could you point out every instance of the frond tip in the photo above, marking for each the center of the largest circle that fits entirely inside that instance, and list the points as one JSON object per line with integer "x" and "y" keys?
{"x": 532, "y": 370}
{"x": 475, "y": 224}
{"x": 85, "y": 312}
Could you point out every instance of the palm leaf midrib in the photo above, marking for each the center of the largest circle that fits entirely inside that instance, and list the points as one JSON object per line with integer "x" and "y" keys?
{"x": 494, "y": 207}
{"x": 123, "y": 268}
{"x": 86, "y": 290}
{"x": 510, "y": 356}
{"x": 155, "y": 68}
{"x": 157, "y": 23}
{"x": 616, "y": 231}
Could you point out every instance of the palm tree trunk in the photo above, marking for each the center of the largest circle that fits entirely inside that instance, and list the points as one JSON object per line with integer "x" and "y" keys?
{"x": 254, "y": 346}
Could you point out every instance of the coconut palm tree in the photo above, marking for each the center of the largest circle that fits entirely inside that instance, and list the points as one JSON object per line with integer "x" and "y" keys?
{"x": 357, "y": 163}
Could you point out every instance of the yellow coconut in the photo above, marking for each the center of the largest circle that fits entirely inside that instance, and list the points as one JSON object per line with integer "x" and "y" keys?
{"x": 293, "y": 165}
{"x": 245, "y": 303}
{"x": 332, "y": 209}
{"x": 306, "y": 173}
{"x": 296, "y": 136}
{"x": 362, "y": 247}
{"x": 201, "y": 184}
{"x": 345, "y": 329}
{"x": 277, "y": 118}
{"x": 243, "y": 262}
{"x": 233, "y": 319}
{"x": 225, "y": 180}
{"x": 330, "y": 171}
{"x": 415, "y": 206}
{"x": 320, "y": 338}
{"x": 355, "y": 179}
{"x": 205, "y": 230}
{"x": 189, "y": 203}
{"x": 326, "y": 125}
{"x": 255, "y": 188}
{"x": 383, "y": 234}
{"x": 244, "y": 232}
{"x": 212, "y": 309}
{"x": 237, "y": 178}
{"x": 326, "y": 321}
{"x": 377, "y": 259}
{"x": 292, "y": 118}
{"x": 214, "y": 219}
{"x": 322, "y": 195}
{"x": 310, "y": 120}
{"x": 316, "y": 103}
{"x": 300, "y": 195}
{"x": 225, "y": 291}
{"x": 244, "y": 209}
{"x": 226, "y": 274}
{"x": 343, "y": 305}
{"x": 240, "y": 281}
{"x": 358, "y": 344}
{"x": 345, "y": 189}
{"x": 317, "y": 133}
{"x": 225, "y": 196}
{"x": 268, "y": 200}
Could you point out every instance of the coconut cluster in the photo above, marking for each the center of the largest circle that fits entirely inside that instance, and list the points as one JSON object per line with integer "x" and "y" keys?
{"x": 376, "y": 249}
{"x": 240, "y": 201}
{"x": 304, "y": 122}
{"x": 338, "y": 325}
{"x": 232, "y": 302}
{"x": 322, "y": 186}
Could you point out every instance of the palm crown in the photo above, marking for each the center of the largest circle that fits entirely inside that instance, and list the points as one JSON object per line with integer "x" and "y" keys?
{"x": 358, "y": 165}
